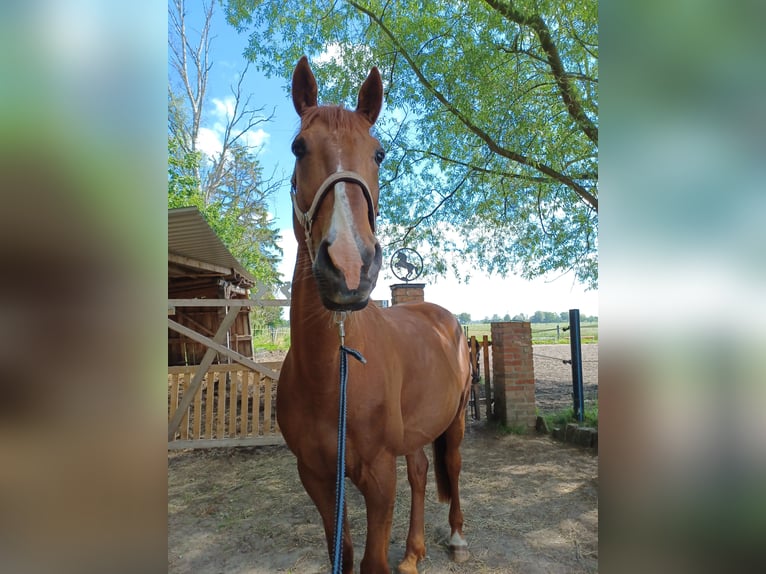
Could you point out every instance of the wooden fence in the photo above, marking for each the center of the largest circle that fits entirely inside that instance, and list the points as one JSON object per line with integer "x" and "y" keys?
{"x": 480, "y": 372}
{"x": 234, "y": 406}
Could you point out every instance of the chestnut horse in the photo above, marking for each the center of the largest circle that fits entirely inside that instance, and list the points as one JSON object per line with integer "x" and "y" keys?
{"x": 414, "y": 387}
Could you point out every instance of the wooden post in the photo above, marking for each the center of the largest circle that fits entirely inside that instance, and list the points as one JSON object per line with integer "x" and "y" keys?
{"x": 209, "y": 407}
{"x": 183, "y": 380}
{"x": 221, "y": 404}
{"x": 473, "y": 348}
{"x": 266, "y": 405}
{"x": 233, "y": 384}
{"x": 487, "y": 385}
{"x": 197, "y": 432}
{"x": 255, "y": 407}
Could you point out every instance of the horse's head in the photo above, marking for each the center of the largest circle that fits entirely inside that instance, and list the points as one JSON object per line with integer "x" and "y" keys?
{"x": 335, "y": 190}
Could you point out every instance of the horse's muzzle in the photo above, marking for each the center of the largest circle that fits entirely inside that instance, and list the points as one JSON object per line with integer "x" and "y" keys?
{"x": 333, "y": 290}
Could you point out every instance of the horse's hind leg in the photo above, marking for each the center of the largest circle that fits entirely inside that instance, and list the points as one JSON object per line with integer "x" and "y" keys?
{"x": 447, "y": 463}
{"x": 417, "y": 473}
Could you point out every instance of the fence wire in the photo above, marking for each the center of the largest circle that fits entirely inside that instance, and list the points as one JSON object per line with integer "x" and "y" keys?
{"x": 565, "y": 361}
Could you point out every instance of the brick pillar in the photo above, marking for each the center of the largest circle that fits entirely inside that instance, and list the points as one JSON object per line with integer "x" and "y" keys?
{"x": 407, "y": 292}
{"x": 514, "y": 375}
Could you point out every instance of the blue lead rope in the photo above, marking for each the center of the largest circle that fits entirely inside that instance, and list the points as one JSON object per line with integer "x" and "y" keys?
{"x": 340, "y": 476}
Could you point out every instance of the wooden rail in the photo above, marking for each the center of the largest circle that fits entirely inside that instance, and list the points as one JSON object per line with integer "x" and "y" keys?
{"x": 234, "y": 406}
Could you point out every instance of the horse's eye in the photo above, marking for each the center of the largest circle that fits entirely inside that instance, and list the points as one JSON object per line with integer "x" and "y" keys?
{"x": 299, "y": 148}
{"x": 380, "y": 155}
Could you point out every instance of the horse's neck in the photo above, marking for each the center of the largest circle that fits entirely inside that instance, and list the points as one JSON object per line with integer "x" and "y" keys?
{"x": 311, "y": 324}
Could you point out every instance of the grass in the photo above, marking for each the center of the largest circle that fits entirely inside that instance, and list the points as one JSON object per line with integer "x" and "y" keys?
{"x": 504, "y": 429}
{"x": 260, "y": 345}
{"x": 516, "y": 429}
{"x": 271, "y": 339}
{"x": 561, "y": 418}
{"x": 543, "y": 333}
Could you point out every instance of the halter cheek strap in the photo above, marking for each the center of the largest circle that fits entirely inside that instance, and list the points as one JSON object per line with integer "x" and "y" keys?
{"x": 306, "y": 218}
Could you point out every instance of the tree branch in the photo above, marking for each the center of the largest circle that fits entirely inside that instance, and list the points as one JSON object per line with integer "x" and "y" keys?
{"x": 540, "y": 28}
{"x": 438, "y": 206}
{"x": 498, "y": 172}
{"x": 491, "y": 143}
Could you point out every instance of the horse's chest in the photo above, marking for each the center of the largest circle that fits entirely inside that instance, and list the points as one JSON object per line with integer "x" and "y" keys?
{"x": 309, "y": 424}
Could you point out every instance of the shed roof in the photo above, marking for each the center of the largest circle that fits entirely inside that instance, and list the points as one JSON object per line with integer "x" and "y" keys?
{"x": 190, "y": 236}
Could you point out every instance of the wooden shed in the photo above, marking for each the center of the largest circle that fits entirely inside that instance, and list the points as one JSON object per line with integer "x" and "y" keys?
{"x": 201, "y": 267}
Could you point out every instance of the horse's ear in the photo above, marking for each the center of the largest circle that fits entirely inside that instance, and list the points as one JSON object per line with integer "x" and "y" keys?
{"x": 304, "y": 87}
{"x": 371, "y": 96}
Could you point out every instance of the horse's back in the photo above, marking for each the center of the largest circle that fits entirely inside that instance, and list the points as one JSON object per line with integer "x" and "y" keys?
{"x": 423, "y": 319}
{"x": 433, "y": 354}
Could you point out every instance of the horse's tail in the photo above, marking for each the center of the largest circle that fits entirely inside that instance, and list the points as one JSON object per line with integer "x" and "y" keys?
{"x": 456, "y": 429}
{"x": 443, "y": 486}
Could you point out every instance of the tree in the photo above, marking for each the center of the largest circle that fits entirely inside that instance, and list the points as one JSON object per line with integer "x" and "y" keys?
{"x": 544, "y": 317}
{"x": 183, "y": 183}
{"x": 491, "y": 121}
{"x": 464, "y": 318}
{"x": 228, "y": 185}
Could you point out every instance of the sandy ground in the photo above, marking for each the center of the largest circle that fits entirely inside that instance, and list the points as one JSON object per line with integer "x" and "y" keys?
{"x": 530, "y": 504}
{"x": 553, "y": 378}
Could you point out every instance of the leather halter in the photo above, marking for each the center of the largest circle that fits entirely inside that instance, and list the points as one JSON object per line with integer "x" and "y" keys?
{"x": 306, "y": 218}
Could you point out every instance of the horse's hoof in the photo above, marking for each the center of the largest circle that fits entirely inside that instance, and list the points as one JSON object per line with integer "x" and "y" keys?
{"x": 459, "y": 553}
{"x": 409, "y": 565}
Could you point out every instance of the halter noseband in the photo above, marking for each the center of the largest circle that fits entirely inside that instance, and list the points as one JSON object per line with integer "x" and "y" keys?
{"x": 306, "y": 218}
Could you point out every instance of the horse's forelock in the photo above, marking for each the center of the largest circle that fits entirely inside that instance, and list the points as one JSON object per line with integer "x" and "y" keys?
{"x": 336, "y": 117}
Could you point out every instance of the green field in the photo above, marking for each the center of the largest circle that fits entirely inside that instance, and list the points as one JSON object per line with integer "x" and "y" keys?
{"x": 542, "y": 333}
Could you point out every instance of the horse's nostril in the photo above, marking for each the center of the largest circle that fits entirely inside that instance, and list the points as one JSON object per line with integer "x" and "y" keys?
{"x": 332, "y": 285}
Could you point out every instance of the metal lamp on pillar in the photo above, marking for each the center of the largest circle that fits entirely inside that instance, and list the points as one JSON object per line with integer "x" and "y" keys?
{"x": 407, "y": 265}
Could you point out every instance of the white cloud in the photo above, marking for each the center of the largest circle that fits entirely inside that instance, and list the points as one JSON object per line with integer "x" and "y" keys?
{"x": 331, "y": 53}
{"x": 289, "y": 247}
{"x": 223, "y": 109}
{"x": 334, "y": 53}
{"x": 209, "y": 142}
{"x": 257, "y": 138}
{"x": 210, "y": 138}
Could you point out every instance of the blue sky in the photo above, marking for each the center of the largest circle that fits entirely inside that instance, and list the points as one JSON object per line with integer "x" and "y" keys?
{"x": 483, "y": 297}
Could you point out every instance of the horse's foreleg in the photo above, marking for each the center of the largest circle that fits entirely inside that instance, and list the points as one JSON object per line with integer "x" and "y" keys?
{"x": 321, "y": 489}
{"x": 417, "y": 473}
{"x": 454, "y": 436}
{"x": 377, "y": 483}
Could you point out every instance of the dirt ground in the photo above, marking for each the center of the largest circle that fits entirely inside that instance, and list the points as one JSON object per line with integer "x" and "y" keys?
{"x": 530, "y": 504}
